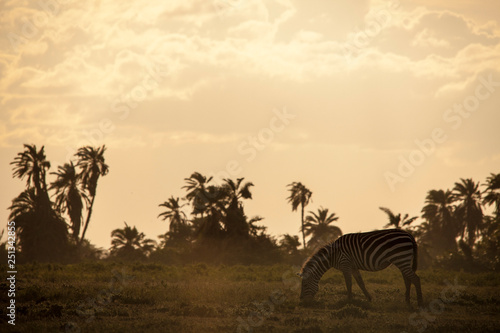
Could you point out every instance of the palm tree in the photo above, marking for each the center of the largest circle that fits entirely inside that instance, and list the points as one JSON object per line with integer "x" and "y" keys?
{"x": 173, "y": 213}
{"x": 128, "y": 242}
{"x": 255, "y": 229}
{"x": 299, "y": 196}
{"x": 469, "y": 212}
{"x": 289, "y": 244}
{"x": 88, "y": 251}
{"x": 318, "y": 227}
{"x": 69, "y": 196}
{"x": 197, "y": 192}
{"x": 395, "y": 220}
{"x": 424, "y": 238}
{"x": 236, "y": 222}
{"x": 442, "y": 227}
{"x": 234, "y": 192}
{"x": 23, "y": 212}
{"x": 3, "y": 245}
{"x": 179, "y": 229}
{"x": 211, "y": 225}
{"x": 23, "y": 207}
{"x": 488, "y": 249}
{"x": 492, "y": 194}
{"x": 92, "y": 164}
{"x": 32, "y": 163}
{"x": 42, "y": 232}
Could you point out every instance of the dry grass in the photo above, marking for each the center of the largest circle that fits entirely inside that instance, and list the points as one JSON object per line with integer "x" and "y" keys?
{"x": 109, "y": 297}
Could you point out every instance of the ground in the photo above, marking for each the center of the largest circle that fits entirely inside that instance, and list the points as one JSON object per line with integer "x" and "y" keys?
{"x": 114, "y": 297}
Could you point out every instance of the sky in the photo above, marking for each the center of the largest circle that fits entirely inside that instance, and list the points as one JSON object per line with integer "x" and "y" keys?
{"x": 367, "y": 103}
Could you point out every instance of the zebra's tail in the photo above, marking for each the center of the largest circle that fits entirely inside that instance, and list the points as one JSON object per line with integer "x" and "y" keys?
{"x": 415, "y": 254}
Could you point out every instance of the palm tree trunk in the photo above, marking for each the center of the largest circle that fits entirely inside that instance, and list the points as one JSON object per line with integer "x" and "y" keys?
{"x": 88, "y": 219}
{"x": 76, "y": 232}
{"x": 302, "y": 221}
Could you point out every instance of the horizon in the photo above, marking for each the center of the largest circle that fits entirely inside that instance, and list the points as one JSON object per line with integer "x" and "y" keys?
{"x": 367, "y": 104}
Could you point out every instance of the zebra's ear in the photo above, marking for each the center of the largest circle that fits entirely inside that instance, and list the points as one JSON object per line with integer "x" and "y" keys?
{"x": 300, "y": 275}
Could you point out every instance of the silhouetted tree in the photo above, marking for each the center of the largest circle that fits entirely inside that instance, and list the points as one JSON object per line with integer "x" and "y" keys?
{"x": 92, "y": 163}
{"x": 32, "y": 165}
{"x": 179, "y": 229}
{"x": 235, "y": 220}
{"x": 3, "y": 245}
{"x": 212, "y": 224}
{"x": 318, "y": 226}
{"x": 299, "y": 196}
{"x": 395, "y": 220}
{"x": 69, "y": 195}
{"x": 488, "y": 248}
{"x": 129, "y": 243}
{"x": 88, "y": 251}
{"x": 235, "y": 191}
{"x": 24, "y": 205}
{"x": 197, "y": 192}
{"x": 424, "y": 239}
{"x": 255, "y": 230}
{"x": 289, "y": 244}
{"x": 442, "y": 227}
{"x": 42, "y": 232}
{"x": 469, "y": 212}
{"x": 492, "y": 194}
{"x": 173, "y": 213}
{"x": 222, "y": 215}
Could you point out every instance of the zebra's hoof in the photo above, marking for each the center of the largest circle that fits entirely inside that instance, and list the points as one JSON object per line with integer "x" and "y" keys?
{"x": 306, "y": 301}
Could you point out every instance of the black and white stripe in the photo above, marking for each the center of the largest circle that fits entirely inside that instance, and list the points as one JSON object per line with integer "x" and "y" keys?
{"x": 368, "y": 251}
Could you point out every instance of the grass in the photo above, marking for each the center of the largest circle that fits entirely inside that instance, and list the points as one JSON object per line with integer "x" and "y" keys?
{"x": 112, "y": 297}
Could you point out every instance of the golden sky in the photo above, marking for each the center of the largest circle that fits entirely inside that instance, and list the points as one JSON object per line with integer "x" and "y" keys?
{"x": 368, "y": 103}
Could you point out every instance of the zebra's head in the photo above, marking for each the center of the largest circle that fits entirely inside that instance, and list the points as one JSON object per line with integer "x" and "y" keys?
{"x": 309, "y": 287}
{"x": 312, "y": 270}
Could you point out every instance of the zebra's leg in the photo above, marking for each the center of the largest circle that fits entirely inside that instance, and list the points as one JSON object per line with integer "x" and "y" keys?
{"x": 348, "y": 283}
{"x": 361, "y": 284}
{"x": 416, "y": 281}
{"x": 410, "y": 277}
{"x": 408, "y": 287}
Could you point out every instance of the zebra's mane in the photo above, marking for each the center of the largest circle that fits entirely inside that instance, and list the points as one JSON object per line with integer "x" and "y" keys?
{"x": 308, "y": 260}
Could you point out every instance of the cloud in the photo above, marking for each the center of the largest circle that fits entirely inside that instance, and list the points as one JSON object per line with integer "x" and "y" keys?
{"x": 427, "y": 39}
{"x": 110, "y": 59}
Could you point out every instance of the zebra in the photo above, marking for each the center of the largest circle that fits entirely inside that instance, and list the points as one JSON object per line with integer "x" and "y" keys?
{"x": 369, "y": 251}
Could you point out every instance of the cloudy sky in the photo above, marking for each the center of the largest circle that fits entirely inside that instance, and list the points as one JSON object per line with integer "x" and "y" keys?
{"x": 368, "y": 103}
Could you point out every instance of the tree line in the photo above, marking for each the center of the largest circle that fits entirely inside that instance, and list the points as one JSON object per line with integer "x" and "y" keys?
{"x": 52, "y": 218}
{"x": 455, "y": 232}
{"x": 209, "y": 223}
{"x": 218, "y": 228}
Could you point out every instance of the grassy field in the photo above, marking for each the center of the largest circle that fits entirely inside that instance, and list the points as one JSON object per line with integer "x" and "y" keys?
{"x": 112, "y": 297}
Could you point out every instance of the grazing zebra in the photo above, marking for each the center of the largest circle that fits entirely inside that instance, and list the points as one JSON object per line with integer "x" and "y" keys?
{"x": 369, "y": 251}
